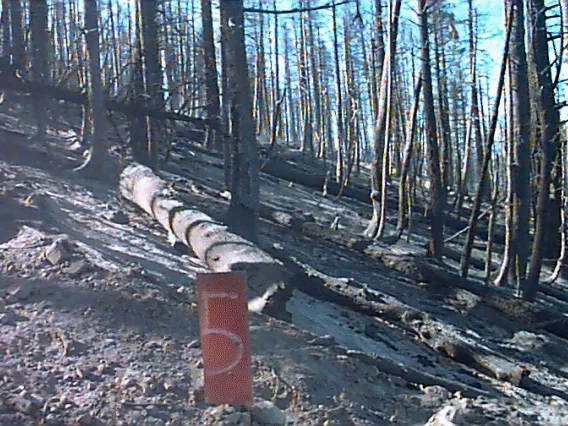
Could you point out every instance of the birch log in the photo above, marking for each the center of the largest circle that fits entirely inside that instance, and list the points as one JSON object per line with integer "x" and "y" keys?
{"x": 269, "y": 281}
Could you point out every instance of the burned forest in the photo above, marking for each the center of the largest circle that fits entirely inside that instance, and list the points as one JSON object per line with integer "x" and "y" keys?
{"x": 388, "y": 178}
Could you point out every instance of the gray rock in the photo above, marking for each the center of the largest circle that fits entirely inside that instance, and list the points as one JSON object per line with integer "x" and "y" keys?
{"x": 436, "y": 391}
{"x": 25, "y": 402}
{"x": 326, "y": 340}
{"x": 10, "y": 299}
{"x": 527, "y": 341}
{"x": 2, "y": 306}
{"x": 434, "y": 396}
{"x": 56, "y": 253}
{"x": 89, "y": 420}
{"x": 450, "y": 415}
{"x": 266, "y": 413}
{"x": 9, "y": 318}
{"x": 20, "y": 404}
{"x": 119, "y": 218}
{"x": 22, "y": 292}
{"x": 76, "y": 268}
{"x": 241, "y": 419}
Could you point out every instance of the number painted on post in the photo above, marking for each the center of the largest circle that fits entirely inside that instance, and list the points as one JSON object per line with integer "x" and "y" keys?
{"x": 215, "y": 331}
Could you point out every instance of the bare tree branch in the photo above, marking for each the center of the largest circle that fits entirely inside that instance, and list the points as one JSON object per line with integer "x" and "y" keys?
{"x": 297, "y": 10}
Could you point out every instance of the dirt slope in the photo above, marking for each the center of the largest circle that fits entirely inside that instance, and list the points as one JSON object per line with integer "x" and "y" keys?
{"x": 98, "y": 313}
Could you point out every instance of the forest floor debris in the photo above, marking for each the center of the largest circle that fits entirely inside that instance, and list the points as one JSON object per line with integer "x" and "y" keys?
{"x": 98, "y": 320}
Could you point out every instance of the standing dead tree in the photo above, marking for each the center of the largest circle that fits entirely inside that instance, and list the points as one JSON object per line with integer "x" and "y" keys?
{"x": 244, "y": 163}
{"x": 563, "y": 255}
{"x": 405, "y": 168}
{"x": 152, "y": 72}
{"x": 549, "y": 139}
{"x": 382, "y": 129}
{"x": 211, "y": 81}
{"x": 520, "y": 138}
{"x": 437, "y": 196}
{"x": 38, "y": 23}
{"x": 481, "y": 186}
{"x": 96, "y": 105}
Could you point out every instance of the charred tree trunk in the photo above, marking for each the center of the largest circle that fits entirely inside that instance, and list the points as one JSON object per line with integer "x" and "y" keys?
{"x": 136, "y": 123}
{"x": 317, "y": 131}
{"x": 152, "y": 72}
{"x": 438, "y": 201}
{"x": 278, "y": 99}
{"x": 507, "y": 261}
{"x": 99, "y": 154}
{"x": 521, "y": 167}
{"x": 339, "y": 103}
{"x": 475, "y": 112}
{"x": 394, "y": 12}
{"x": 408, "y": 148}
{"x": 211, "y": 84}
{"x": 380, "y": 52}
{"x": 244, "y": 184}
{"x": 549, "y": 120}
{"x": 445, "y": 133}
{"x": 5, "y": 22}
{"x": 38, "y": 22}
{"x": 18, "y": 42}
{"x": 481, "y": 186}
{"x": 563, "y": 156}
{"x": 380, "y": 147}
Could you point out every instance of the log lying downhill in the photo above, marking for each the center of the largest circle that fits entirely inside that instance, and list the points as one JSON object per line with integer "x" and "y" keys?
{"x": 440, "y": 337}
{"x": 219, "y": 249}
{"x": 441, "y": 277}
{"x": 283, "y": 168}
{"x": 13, "y": 83}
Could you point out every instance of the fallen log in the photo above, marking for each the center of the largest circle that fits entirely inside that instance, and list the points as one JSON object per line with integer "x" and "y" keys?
{"x": 553, "y": 292}
{"x": 455, "y": 255}
{"x": 287, "y": 171}
{"x": 445, "y": 339}
{"x": 283, "y": 169}
{"x": 415, "y": 376}
{"x": 464, "y": 230}
{"x": 280, "y": 217}
{"x": 219, "y": 249}
{"x": 441, "y": 277}
{"x": 305, "y": 224}
{"x": 440, "y": 337}
{"x": 10, "y": 82}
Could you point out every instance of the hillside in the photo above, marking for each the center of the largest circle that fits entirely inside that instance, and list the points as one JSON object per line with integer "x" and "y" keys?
{"x": 98, "y": 321}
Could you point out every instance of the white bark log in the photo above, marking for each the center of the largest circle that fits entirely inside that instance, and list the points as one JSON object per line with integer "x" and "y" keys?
{"x": 211, "y": 241}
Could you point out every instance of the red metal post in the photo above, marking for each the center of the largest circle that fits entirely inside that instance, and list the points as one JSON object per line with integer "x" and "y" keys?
{"x": 224, "y": 330}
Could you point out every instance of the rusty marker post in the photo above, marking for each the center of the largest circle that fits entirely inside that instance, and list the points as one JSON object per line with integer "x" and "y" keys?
{"x": 224, "y": 330}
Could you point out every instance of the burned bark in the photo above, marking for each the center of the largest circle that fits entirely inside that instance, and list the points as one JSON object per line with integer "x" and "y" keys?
{"x": 12, "y": 82}
{"x": 521, "y": 166}
{"x": 152, "y": 73}
{"x": 211, "y": 80}
{"x": 408, "y": 148}
{"x": 438, "y": 198}
{"x": 549, "y": 120}
{"x": 38, "y": 24}
{"x": 482, "y": 184}
{"x": 447, "y": 340}
{"x": 441, "y": 278}
{"x": 244, "y": 162}
{"x": 99, "y": 156}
